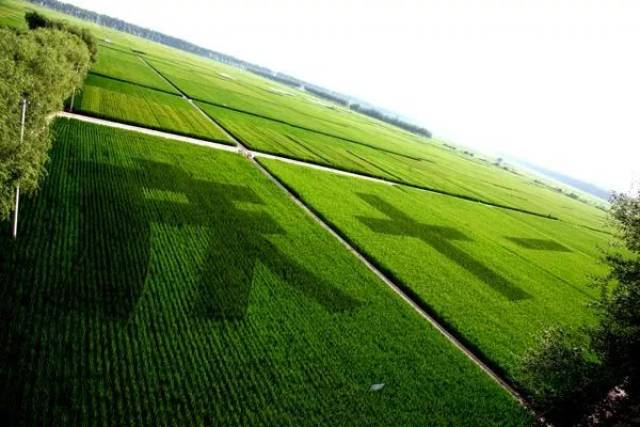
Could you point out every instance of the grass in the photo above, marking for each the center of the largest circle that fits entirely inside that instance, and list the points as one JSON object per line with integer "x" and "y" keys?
{"x": 129, "y": 103}
{"x": 127, "y": 66}
{"x": 495, "y": 276}
{"x": 159, "y": 283}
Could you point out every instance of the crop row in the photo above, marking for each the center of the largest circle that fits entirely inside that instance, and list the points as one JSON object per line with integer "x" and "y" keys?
{"x": 133, "y": 104}
{"x": 432, "y": 167}
{"x": 289, "y": 122}
{"x": 118, "y": 64}
{"x": 497, "y": 277}
{"x": 160, "y": 283}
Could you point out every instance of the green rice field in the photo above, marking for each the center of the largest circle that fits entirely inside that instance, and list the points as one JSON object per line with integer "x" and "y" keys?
{"x": 120, "y": 65}
{"x": 495, "y": 276}
{"x": 129, "y": 103}
{"x": 162, "y": 283}
{"x": 156, "y": 282}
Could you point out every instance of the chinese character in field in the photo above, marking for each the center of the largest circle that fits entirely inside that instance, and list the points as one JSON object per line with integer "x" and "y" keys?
{"x": 119, "y": 206}
{"x": 439, "y": 238}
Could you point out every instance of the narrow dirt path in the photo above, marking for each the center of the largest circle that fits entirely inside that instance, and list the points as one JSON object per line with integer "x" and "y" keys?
{"x": 146, "y": 131}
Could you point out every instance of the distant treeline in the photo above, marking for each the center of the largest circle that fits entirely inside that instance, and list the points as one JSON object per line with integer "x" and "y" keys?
{"x": 184, "y": 45}
{"x": 390, "y": 119}
{"x": 327, "y": 95}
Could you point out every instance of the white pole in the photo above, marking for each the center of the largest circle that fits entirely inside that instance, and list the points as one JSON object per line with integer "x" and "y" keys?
{"x": 15, "y": 212}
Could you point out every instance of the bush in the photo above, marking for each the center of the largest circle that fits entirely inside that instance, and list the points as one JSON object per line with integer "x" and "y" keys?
{"x": 559, "y": 368}
{"x": 571, "y": 373}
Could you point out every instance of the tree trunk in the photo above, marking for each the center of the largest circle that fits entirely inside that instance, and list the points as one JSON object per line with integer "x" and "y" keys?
{"x": 14, "y": 225}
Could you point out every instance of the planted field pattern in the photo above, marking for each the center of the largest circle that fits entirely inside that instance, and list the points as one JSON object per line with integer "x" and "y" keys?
{"x": 219, "y": 85}
{"x": 118, "y": 64}
{"x": 334, "y": 135}
{"x": 160, "y": 283}
{"x": 130, "y": 103}
{"x": 495, "y": 276}
{"x": 426, "y": 165}
{"x": 346, "y": 140}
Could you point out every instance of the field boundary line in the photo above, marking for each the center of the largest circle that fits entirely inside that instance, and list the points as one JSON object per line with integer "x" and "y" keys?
{"x": 370, "y": 177}
{"x": 169, "y": 82}
{"x": 129, "y": 82}
{"x": 210, "y": 144}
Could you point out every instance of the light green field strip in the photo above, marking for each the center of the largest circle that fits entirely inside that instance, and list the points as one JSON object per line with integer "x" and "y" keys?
{"x": 494, "y": 276}
{"x": 126, "y": 66}
{"x": 129, "y": 103}
{"x": 265, "y": 98}
{"x": 157, "y": 282}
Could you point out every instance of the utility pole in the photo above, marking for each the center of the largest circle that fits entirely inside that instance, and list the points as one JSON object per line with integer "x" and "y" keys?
{"x": 73, "y": 97}
{"x": 15, "y": 212}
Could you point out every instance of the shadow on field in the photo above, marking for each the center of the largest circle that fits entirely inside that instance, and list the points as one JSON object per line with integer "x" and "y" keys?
{"x": 85, "y": 250}
{"x": 539, "y": 244}
{"x": 120, "y": 204}
{"x": 439, "y": 238}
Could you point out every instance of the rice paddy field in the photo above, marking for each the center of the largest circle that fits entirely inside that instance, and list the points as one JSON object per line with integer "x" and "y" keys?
{"x": 122, "y": 65}
{"x": 161, "y": 283}
{"x": 493, "y": 275}
{"x": 129, "y": 103}
{"x": 428, "y": 165}
{"x": 156, "y": 282}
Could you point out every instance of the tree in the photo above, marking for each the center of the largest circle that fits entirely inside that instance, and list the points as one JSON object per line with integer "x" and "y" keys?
{"x": 570, "y": 374}
{"x": 36, "y": 20}
{"x": 616, "y": 338}
{"x": 43, "y": 66}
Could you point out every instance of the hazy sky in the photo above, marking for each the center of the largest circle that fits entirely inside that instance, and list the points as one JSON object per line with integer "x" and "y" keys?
{"x": 553, "y": 82}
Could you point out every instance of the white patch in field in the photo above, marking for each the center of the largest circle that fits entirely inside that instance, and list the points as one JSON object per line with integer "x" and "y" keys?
{"x": 376, "y": 387}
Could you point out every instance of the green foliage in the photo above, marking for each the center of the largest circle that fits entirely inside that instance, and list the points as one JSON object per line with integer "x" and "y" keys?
{"x": 36, "y": 20}
{"x": 625, "y": 211}
{"x": 617, "y": 336}
{"x": 44, "y": 67}
{"x": 162, "y": 283}
{"x": 129, "y": 103}
{"x": 568, "y": 363}
{"x": 495, "y": 276}
{"x": 566, "y": 381}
